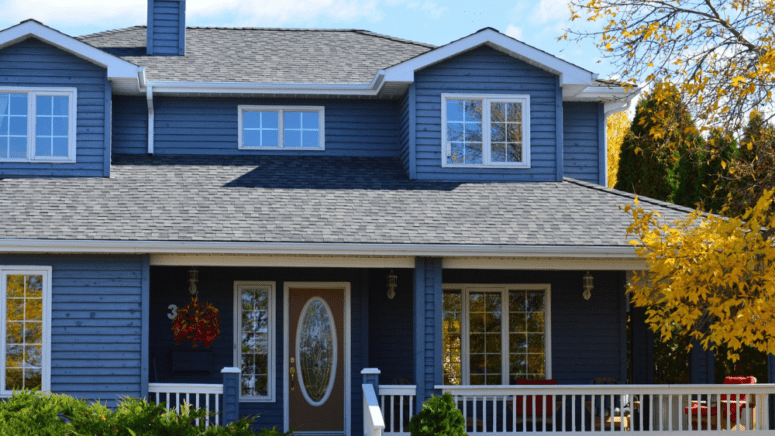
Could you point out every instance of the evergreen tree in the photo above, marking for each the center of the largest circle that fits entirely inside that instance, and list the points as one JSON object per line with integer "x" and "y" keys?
{"x": 646, "y": 166}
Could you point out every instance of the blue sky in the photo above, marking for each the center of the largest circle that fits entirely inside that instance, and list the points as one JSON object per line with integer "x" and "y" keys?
{"x": 535, "y": 22}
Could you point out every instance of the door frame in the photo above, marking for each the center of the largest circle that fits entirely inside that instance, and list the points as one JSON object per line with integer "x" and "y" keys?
{"x": 346, "y": 342}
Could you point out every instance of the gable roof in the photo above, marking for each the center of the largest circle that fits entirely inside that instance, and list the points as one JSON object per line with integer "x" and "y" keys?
{"x": 211, "y": 203}
{"x": 265, "y": 55}
{"x": 117, "y": 68}
{"x": 569, "y": 73}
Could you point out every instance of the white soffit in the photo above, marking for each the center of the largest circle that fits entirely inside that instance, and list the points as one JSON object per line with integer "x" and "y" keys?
{"x": 117, "y": 68}
{"x": 569, "y": 74}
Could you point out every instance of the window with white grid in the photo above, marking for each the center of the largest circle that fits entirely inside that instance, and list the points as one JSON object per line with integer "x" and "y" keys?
{"x": 25, "y": 328}
{"x": 495, "y": 334}
{"x": 38, "y": 124}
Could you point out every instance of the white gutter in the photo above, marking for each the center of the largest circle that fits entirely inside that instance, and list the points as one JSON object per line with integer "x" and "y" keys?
{"x": 290, "y": 248}
{"x": 621, "y": 106}
{"x": 354, "y": 89}
{"x": 149, "y": 100}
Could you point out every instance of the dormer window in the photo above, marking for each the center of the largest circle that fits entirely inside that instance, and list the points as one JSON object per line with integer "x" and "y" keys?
{"x": 485, "y": 130}
{"x": 281, "y": 128}
{"x": 37, "y": 124}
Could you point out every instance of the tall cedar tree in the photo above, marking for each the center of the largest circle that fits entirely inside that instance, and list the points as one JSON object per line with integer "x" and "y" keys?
{"x": 646, "y": 166}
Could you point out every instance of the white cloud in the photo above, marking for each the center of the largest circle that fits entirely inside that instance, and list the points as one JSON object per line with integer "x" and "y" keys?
{"x": 434, "y": 11}
{"x": 550, "y": 11}
{"x": 74, "y": 13}
{"x": 276, "y": 13}
{"x": 514, "y": 32}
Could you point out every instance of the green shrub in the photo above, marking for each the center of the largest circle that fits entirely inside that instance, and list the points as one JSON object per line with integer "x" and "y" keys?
{"x": 31, "y": 413}
{"x": 438, "y": 416}
{"x": 34, "y": 413}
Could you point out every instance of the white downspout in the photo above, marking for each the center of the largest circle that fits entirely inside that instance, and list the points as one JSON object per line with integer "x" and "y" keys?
{"x": 149, "y": 99}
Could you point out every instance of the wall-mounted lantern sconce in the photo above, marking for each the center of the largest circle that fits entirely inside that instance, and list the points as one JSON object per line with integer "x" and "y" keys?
{"x": 392, "y": 284}
{"x": 588, "y": 285}
{"x": 193, "y": 277}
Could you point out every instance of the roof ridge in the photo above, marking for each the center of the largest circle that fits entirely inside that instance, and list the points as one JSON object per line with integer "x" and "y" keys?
{"x": 629, "y": 195}
{"x": 393, "y": 38}
{"x": 275, "y": 29}
{"x": 109, "y": 32}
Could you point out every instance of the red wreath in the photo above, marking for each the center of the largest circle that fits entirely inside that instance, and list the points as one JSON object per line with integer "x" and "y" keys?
{"x": 196, "y": 323}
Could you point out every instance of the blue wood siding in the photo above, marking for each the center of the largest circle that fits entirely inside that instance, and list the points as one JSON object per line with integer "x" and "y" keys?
{"x": 588, "y": 336}
{"x": 216, "y": 285}
{"x": 582, "y": 148}
{"x": 701, "y": 365}
{"x": 96, "y": 324}
{"x": 130, "y": 125}
{"x": 485, "y": 70}
{"x": 166, "y": 27}
{"x": 390, "y": 327}
{"x": 408, "y": 134}
{"x": 32, "y": 63}
{"x": 427, "y": 327}
{"x": 209, "y": 126}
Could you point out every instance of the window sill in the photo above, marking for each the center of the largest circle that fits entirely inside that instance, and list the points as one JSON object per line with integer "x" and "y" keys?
{"x": 38, "y": 161}
{"x": 502, "y": 166}
{"x": 256, "y": 400}
{"x": 290, "y": 149}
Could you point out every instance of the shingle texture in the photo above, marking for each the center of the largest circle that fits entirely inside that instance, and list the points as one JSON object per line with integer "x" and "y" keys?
{"x": 264, "y": 55}
{"x": 308, "y": 199}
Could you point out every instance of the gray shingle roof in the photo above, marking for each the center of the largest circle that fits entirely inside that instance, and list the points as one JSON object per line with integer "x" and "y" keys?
{"x": 308, "y": 199}
{"x": 264, "y": 54}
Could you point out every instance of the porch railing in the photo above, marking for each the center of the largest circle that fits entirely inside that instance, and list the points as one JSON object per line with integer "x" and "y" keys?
{"x": 662, "y": 409}
{"x": 397, "y": 402}
{"x": 373, "y": 423}
{"x": 174, "y": 395}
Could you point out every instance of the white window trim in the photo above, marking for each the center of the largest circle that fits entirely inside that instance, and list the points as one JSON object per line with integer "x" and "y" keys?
{"x": 320, "y": 110}
{"x": 271, "y": 382}
{"x": 45, "y": 271}
{"x": 72, "y": 132}
{"x": 486, "y": 149}
{"x": 465, "y": 288}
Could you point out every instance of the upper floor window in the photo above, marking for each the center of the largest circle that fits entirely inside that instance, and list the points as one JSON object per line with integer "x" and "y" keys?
{"x": 37, "y": 124}
{"x": 485, "y": 130}
{"x": 284, "y": 127}
{"x": 25, "y": 342}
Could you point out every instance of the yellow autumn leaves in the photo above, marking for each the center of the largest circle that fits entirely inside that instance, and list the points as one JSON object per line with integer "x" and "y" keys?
{"x": 713, "y": 277}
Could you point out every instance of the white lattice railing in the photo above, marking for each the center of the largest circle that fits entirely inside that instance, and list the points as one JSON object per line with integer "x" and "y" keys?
{"x": 397, "y": 403}
{"x": 373, "y": 423}
{"x": 173, "y": 395}
{"x": 589, "y": 409}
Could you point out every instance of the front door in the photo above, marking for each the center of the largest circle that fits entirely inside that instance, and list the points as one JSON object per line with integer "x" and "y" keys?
{"x": 316, "y": 358}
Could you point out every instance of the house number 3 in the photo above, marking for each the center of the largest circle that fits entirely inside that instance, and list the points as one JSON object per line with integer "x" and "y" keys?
{"x": 173, "y": 311}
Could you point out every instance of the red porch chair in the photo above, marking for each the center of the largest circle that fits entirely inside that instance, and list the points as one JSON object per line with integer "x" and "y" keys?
{"x": 525, "y": 410}
{"x": 731, "y": 408}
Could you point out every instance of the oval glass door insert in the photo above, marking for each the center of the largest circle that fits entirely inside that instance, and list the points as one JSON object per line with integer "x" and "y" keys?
{"x": 316, "y": 351}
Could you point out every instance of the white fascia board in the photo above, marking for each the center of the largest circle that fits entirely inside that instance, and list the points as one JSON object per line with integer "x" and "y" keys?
{"x": 291, "y": 248}
{"x": 117, "y": 68}
{"x": 354, "y": 89}
{"x": 603, "y": 94}
{"x": 569, "y": 74}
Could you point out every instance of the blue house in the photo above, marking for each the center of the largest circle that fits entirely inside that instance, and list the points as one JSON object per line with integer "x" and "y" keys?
{"x": 377, "y": 221}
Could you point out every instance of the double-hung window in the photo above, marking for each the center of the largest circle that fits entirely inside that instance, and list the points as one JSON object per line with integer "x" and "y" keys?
{"x": 37, "y": 124}
{"x": 25, "y": 329}
{"x": 281, "y": 127}
{"x": 254, "y": 339}
{"x": 494, "y": 334}
{"x": 485, "y": 130}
